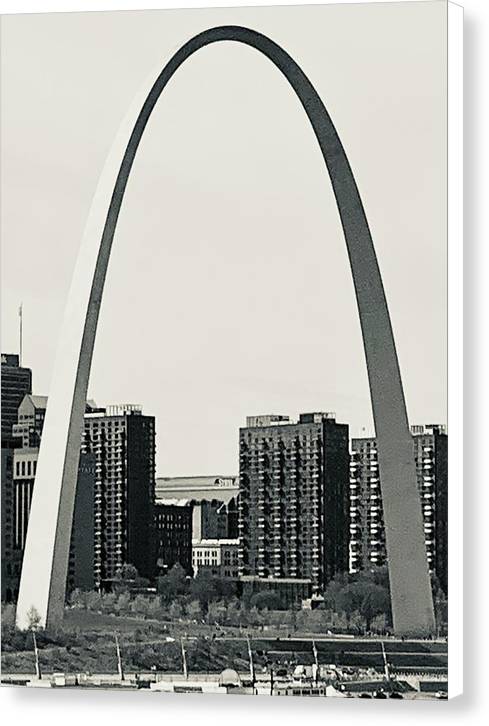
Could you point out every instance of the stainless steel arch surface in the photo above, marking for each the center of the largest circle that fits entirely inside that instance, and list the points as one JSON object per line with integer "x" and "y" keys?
{"x": 45, "y": 563}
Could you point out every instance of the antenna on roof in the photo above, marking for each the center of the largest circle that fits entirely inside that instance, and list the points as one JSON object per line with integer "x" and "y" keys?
{"x": 20, "y": 335}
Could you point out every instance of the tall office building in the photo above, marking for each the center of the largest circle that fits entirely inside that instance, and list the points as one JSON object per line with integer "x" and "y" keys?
{"x": 16, "y": 382}
{"x": 11, "y": 562}
{"x": 122, "y": 440}
{"x": 367, "y": 533}
{"x": 293, "y": 502}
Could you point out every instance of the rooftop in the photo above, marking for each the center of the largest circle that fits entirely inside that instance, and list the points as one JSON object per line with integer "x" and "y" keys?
{"x": 174, "y": 502}
{"x": 197, "y": 488}
{"x": 37, "y": 401}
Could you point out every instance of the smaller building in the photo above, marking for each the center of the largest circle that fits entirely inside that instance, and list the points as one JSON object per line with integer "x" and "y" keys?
{"x": 173, "y": 528}
{"x": 219, "y": 557}
{"x": 30, "y": 420}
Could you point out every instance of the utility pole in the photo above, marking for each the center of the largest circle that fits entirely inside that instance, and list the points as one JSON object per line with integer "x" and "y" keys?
{"x": 36, "y": 656}
{"x": 184, "y": 659}
{"x": 386, "y": 663}
{"x": 252, "y": 665}
{"x": 119, "y": 659}
{"x": 316, "y": 661}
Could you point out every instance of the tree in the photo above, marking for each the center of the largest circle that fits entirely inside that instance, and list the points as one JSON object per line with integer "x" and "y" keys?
{"x": 379, "y": 624}
{"x": 234, "y": 612}
{"x": 8, "y": 615}
{"x": 93, "y": 601}
{"x": 174, "y": 584}
{"x": 127, "y": 572}
{"x": 375, "y": 601}
{"x": 33, "y": 618}
{"x": 176, "y": 610}
{"x": 154, "y": 606}
{"x": 109, "y": 601}
{"x": 216, "y": 612}
{"x": 194, "y": 611}
{"x": 357, "y": 622}
{"x": 123, "y": 602}
{"x": 202, "y": 589}
{"x": 441, "y": 612}
{"x": 266, "y": 601}
{"x": 77, "y": 598}
{"x": 366, "y": 592}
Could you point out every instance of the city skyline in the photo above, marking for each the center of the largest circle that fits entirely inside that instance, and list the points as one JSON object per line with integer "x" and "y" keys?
{"x": 253, "y": 344}
{"x": 215, "y": 499}
{"x": 288, "y": 419}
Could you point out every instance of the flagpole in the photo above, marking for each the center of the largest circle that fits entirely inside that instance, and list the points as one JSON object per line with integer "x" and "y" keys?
{"x": 20, "y": 335}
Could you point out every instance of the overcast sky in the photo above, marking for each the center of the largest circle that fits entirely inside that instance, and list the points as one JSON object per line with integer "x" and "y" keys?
{"x": 229, "y": 291}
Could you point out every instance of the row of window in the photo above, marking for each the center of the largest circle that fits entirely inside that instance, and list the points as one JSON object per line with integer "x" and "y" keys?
{"x": 26, "y": 467}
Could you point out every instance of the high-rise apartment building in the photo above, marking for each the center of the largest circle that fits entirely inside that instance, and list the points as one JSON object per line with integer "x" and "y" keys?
{"x": 293, "y": 500}
{"x": 16, "y": 382}
{"x": 367, "y": 534}
{"x": 122, "y": 440}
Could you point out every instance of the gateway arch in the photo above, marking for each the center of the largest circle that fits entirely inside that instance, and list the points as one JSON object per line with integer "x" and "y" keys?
{"x": 46, "y": 554}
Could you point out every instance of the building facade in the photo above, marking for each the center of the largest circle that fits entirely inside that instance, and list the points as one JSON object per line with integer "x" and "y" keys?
{"x": 215, "y": 519}
{"x": 16, "y": 381}
{"x": 30, "y": 420}
{"x": 11, "y": 562}
{"x": 218, "y": 557}
{"x": 367, "y": 533}
{"x": 81, "y": 565}
{"x": 214, "y": 499}
{"x": 81, "y": 558}
{"x": 122, "y": 441}
{"x": 293, "y": 499}
{"x": 173, "y": 532}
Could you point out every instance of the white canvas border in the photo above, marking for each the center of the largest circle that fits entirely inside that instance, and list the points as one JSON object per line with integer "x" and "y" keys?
{"x": 455, "y": 346}
{"x": 455, "y": 282}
